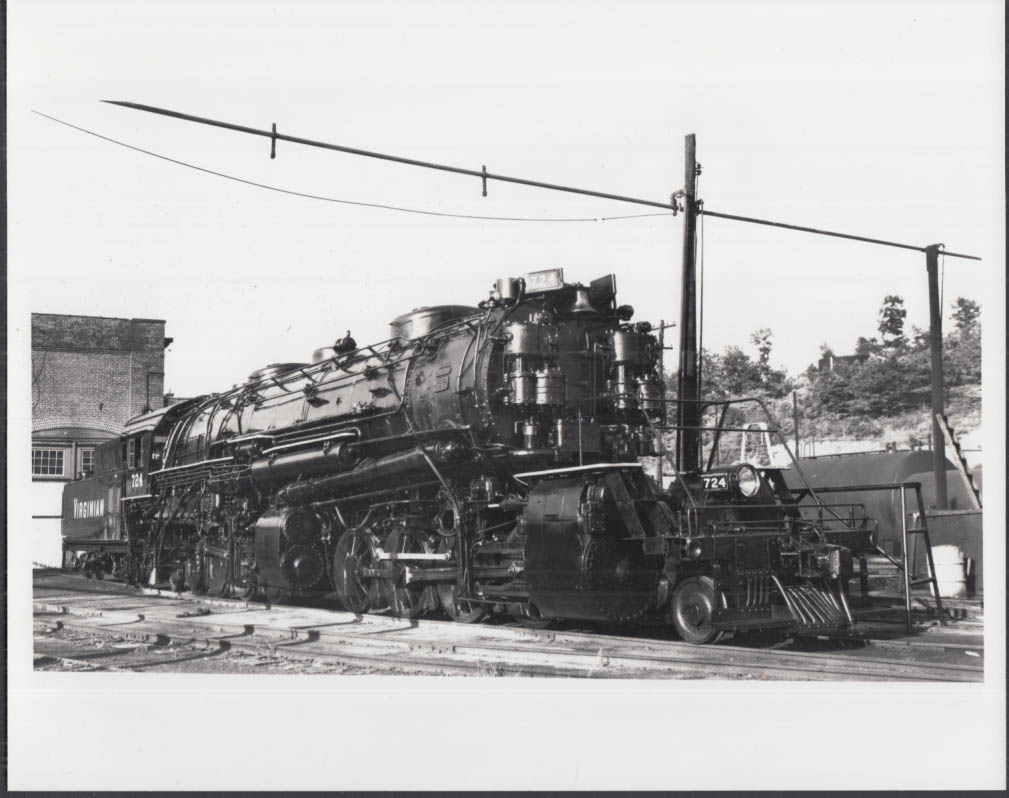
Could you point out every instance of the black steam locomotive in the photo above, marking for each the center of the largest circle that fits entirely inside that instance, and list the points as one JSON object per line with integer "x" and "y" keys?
{"x": 484, "y": 460}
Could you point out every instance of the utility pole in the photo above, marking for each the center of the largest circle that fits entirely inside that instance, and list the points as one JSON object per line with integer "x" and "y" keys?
{"x": 795, "y": 420}
{"x": 935, "y": 344}
{"x": 687, "y": 382}
{"x": 663, "y": 326}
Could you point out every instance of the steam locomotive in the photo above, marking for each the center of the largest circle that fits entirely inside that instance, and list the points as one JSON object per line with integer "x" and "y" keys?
{"x": 483, "y": 460}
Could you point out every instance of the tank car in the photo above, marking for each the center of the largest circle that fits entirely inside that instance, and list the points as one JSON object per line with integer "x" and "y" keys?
{"x": 482, "y": 460}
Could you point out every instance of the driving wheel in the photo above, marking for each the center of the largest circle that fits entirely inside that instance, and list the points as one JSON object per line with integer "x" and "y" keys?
{"x": 455, "y": 608}
{"x": 354, "y": 552}
{"x": 407, "y": 600}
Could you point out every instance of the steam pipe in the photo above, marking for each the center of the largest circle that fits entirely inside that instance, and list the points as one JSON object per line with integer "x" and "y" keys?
{"x": 390, "y": 467}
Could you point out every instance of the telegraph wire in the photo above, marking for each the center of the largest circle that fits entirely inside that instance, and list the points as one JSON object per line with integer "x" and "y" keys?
{"x": 833, "y": 234}
{"x": 322, "y": 198}
{"x": 274, "y": 136}
{"x": 483, "y": 174}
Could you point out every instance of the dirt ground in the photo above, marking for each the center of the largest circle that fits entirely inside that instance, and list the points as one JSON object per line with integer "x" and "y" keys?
{"x": 73, "y": 651}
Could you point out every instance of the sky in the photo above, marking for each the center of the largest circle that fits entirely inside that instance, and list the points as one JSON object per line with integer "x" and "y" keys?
{"x": 882, "y": 119}
{"x": 879, "y": 119}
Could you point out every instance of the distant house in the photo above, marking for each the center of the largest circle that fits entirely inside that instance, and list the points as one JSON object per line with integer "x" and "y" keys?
{"x": 830, "y": 362}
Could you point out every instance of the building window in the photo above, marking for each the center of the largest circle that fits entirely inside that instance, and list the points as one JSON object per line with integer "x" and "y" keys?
{"x": 86, "y": 459}
{"x": 47, "y": 462}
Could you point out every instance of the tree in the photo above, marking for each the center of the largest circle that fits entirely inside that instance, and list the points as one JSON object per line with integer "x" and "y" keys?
{"x": 740, "y": 374}
{"x": 919, "y": 338}
{"x": 762, "y": 340}
{"x": 891, "y": 322}
{"x": 966, "y": 313}
{"x": 866, "y": 346}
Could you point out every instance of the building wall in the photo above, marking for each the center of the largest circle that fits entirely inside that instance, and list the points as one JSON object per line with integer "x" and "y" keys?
{"x": 88, "y": 369}
{"x": 90, "y": 374}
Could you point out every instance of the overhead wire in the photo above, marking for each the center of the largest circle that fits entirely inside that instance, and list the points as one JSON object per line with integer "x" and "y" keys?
{"x": 484, "y": 174}
{"x": 831, "y": 233}
{"x": 305, "y": 195}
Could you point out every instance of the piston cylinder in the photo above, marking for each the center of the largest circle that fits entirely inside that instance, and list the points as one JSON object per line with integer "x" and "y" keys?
{"x": 523, "y": 340}
{"x": 530, "y": 434}
{"x": 549, "y": 387}
{"x": 623, "y": 389}
{"x": 523, "y": 384}
{"x": 650, "y": 394}
{"x": 628, "y": 348}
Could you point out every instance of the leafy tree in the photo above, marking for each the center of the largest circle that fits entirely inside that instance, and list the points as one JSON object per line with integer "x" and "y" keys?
{"x": 741, "y": 375}
{"x": 919, "y": 338}
{"x": 966, "y": 314}
{"x": 762, "y": 339}
{"x": 961, "y": 358}
{"x": 866, "y": 346}
{"x": 885, "y": 386}
{"x": 891, "y": 322}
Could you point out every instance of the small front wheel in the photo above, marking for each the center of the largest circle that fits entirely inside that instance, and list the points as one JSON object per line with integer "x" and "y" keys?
{"x": 693, "y": 608}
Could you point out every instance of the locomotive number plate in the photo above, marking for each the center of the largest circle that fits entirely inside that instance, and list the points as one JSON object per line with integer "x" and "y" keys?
{"x": 715, "y": 482}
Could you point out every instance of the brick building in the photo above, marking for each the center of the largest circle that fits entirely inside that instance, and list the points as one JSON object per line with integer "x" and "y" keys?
{"x": 90, "y": 374}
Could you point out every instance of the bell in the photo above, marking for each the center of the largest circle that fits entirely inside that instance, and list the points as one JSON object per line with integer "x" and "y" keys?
{"x": 582, "y": 306}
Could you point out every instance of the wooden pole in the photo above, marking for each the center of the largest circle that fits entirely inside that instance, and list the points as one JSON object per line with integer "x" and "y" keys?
{"x": 795, "y": 420}
{"x": 935, "y": 345}
{"x": 687, "y": 385}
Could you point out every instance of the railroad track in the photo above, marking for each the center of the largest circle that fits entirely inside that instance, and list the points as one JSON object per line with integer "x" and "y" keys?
{"x": 431, "y": 646}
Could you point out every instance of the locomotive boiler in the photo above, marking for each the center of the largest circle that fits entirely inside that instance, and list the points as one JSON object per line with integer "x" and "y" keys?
{"x": 482, "y": 460}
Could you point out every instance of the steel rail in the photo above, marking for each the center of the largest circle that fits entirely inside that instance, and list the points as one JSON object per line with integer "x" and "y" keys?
{"x": 332, "y": 634}
{"x": 595, "y": 656}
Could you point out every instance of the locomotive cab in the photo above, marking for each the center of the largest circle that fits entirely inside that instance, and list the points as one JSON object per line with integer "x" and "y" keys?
{"x": 92, "y": 530}
{"x": 136, "y": 453}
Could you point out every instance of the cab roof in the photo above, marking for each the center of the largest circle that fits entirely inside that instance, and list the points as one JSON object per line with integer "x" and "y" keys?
{"x": 150, "y": 421}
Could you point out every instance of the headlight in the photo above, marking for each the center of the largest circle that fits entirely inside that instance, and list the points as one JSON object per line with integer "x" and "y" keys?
{"x": 748, "y": 481}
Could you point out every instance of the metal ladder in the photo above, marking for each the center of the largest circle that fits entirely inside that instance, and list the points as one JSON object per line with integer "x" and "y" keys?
{"x": 921, "y": 529}
{"x": 959, "y": 461}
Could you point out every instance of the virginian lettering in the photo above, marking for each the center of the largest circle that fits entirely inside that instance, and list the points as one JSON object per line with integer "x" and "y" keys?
{"x": 92, "y": 508}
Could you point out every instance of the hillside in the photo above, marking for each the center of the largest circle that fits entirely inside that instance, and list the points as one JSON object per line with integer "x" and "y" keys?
{"x": 878, "y": 396}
